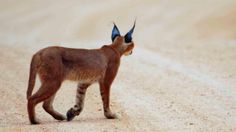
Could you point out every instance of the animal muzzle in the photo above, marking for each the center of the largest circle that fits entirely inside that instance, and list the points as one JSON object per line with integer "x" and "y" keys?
{"x": 128, "y": 53}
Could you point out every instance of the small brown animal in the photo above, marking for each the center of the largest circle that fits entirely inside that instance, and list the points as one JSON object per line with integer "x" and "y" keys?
{"x": 86, "y": 66}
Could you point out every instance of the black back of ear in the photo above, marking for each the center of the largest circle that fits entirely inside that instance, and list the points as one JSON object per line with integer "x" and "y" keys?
{"x": 115, "y": 32}
{"x": 128, "y": 36}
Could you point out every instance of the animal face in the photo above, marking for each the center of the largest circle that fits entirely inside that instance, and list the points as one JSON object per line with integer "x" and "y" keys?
{"x": 125, "y": 43}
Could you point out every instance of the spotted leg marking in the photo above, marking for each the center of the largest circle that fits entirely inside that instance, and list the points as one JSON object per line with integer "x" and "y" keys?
{"x": 78, "y": 107}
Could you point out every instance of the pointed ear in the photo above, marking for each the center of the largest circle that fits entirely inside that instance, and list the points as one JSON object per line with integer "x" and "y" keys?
{"x": 128, "y": 36}
{"x": 115, "y": 32}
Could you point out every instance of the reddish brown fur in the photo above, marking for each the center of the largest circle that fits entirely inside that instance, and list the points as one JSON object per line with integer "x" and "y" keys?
{"x": 56, "y": 64}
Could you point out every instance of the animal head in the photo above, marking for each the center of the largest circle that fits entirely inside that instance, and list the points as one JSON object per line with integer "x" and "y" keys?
{"x": 124, "y": 43}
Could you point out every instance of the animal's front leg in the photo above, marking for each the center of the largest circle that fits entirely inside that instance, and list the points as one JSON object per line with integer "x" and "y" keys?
{"x": 78, "y": 107}
{"x": 105, "y": 93}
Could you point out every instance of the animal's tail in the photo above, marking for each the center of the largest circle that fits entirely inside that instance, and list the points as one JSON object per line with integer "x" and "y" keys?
{"x": 32, "y": 76}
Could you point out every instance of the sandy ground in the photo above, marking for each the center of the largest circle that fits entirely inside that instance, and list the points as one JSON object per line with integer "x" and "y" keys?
{"x": 180, "y": 77}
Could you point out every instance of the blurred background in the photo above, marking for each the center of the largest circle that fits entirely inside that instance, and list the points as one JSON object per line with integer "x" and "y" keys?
{"x": 181, "y": 75}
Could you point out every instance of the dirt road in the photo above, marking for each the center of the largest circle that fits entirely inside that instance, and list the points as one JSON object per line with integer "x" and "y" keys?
{"x": 180, "y": 77}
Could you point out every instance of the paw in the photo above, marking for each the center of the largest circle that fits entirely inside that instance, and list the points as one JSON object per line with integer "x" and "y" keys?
{"x": 111, "y": 115}
{"x": 60, "y": 117}
{"x": 70, "y": 114}
{"x": 34, "y": 122}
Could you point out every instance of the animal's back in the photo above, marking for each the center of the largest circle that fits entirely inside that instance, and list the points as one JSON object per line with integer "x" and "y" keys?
{"x": 48, "y": 63}
{"x": 73, "y": 64}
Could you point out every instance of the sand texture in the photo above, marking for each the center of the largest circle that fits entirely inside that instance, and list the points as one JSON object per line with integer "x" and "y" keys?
{"x": 180, "y": 77}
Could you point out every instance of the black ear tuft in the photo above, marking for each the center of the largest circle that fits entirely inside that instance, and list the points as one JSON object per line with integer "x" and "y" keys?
{"x": 115, "y": 32}
{"x": 128, "y": 36}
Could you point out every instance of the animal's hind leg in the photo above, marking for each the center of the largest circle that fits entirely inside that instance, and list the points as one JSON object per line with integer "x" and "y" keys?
{"x": 31, "y": 111}
{"x": 48, "y": 107}
{"x": 46, "y": 90}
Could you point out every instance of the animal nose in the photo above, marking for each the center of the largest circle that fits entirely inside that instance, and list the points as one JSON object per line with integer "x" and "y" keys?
{"x": 131, "y": 52}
